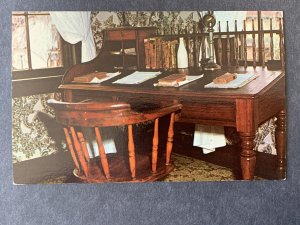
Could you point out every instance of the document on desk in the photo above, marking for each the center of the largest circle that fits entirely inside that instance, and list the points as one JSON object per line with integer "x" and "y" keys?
{"x": 137, "y": 77}
{"x": 96, "y": 80}
{"x": 187, "y": 80}
{"x": 240, "y": 81}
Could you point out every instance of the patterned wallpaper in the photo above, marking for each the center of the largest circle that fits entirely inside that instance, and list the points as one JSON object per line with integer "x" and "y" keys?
{"x": 165, "y": 21}
{"x": 35, "y": 132}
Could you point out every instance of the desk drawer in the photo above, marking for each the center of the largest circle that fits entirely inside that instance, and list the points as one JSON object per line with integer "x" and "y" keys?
{"x": 120, "y": 35}
{"x": 209, "y": 111}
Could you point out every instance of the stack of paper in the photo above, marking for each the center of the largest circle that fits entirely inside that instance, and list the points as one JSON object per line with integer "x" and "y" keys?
{"x": 137, "y": 77}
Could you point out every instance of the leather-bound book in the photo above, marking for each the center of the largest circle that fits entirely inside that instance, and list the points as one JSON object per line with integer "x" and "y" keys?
{"x": 86, "y": 78}
{"x": 171, "y": 80}
{"x": 225, "y": 78}
{"x": 147, "y": 53}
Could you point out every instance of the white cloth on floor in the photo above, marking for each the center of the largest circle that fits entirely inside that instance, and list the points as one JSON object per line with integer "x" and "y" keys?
{"x": 209, "y": 137}
{"x": 92, "y": 145}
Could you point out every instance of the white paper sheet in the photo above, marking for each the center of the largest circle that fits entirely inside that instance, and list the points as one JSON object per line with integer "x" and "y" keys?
{"x": 137, "y": 77}
{"x": 96, "y": 80}
{"x": 209, "y": 137}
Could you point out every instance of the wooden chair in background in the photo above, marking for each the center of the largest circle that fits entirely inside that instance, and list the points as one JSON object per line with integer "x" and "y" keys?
{"x": 96, "y": 115}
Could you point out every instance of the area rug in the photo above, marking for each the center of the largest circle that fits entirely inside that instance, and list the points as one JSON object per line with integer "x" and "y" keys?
{"x": 186, "y": 169}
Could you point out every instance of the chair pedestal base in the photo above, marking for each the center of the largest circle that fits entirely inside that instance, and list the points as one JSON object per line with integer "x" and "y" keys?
{"x": 120, "y": 171}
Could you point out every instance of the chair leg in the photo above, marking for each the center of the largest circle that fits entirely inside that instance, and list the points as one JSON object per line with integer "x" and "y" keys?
{"x": 155, "y": 146}
{"x": 83, "y": 146}
{"x": 102, "y": 154}
{"x": 71, "y": 149}
{"x": 131, "y": 152}
{"x": 79, "y": 152}
{"x": 170, "y": 139}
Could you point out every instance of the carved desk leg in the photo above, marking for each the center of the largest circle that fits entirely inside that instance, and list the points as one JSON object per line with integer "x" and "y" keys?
{"x": 281, "y": 144}
{"x": 248, "y": 158}
{"x": 246, "y": 126}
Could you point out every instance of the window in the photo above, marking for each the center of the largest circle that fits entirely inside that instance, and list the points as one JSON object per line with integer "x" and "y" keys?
{"x": 259, "y": 34}
{"x": 39, "y": 55}
{"x": 36, "y": 43}
{"x": 269, "y": 23}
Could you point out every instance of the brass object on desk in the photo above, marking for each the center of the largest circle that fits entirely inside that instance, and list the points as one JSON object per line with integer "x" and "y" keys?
{"x": 209, "y": 22}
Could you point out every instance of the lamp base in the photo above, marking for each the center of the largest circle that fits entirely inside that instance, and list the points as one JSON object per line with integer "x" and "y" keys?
{"x": 212, "y": 66}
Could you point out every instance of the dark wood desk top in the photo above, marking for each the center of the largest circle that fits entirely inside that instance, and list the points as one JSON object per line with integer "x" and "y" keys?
{"x": 263, "y": 82}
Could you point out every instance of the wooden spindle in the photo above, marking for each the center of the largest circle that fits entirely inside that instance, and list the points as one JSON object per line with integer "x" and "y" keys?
{"x": 71, "y": 149}
{"x": 236, "y": 44}
{"x": 263, "y": 53}
{"x": 203, "y": 49}
{"x": 245, "y": 45}
{"x": 280, "y": 136}
{"x": 220, "y": 47}
{"x": 83, "y": 164}
{"x": 253, "y": 45}
{"x": 228, "y": 45}
{"x": 131, "y": 152}
{"x": 195, "y": 46}
{"x": 271, "y": 40}
{"x": 170, "y": 139}
{"x": 281, "y": 43}
{"x": 102, "y": 153}
{"x": 83, "y": 146}
{"x": 187, "y": 45}
{"x": 170, "y": 66}
{"x": 155, "y": 146}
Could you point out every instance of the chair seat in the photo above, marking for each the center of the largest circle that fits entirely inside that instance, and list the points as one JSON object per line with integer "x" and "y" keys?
{"x": 135, "y": 166}
{"x": 120, "y": 170}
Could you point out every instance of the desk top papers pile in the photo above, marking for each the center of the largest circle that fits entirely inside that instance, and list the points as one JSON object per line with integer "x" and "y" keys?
{"x": 187, "y": 80}
{"x": 96, "y": 80}
{"x": 137, "y": 77}
{"x": 240, "y": 81}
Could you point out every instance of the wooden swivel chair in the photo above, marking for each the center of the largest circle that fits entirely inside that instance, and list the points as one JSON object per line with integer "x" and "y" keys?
{"x": 96, "y": 115}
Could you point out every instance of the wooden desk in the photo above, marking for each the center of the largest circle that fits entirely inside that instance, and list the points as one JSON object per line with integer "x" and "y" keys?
{"x": 244, "y": 108}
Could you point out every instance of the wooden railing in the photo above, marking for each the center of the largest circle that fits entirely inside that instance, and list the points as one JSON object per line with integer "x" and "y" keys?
{"x": 234, "y": 48}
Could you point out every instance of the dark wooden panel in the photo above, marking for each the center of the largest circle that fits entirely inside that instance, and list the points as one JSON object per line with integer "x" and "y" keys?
{"x": 209, "y": 111}
{"x": 121, "y": 35}
{"x": 35, "y": 86}
{"x": 35, "y": 170}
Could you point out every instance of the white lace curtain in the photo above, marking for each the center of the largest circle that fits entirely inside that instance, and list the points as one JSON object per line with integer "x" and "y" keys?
{"x": 75, "y": 27}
